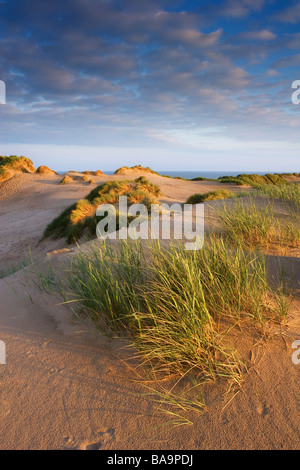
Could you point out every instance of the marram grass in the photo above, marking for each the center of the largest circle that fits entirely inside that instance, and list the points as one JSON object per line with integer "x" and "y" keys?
{"x": 210, "y": 196}
{"x": 176, "y": 308}
{"x": 175, "y": 305}
{"x": 289, "y": 193}
{"x": 80, "y": 218}
{"x": 251, "y": 226}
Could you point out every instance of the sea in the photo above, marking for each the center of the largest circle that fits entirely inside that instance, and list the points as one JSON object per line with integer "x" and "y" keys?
{"x": 205, "y": 174}
{"x": 193, "y": 173}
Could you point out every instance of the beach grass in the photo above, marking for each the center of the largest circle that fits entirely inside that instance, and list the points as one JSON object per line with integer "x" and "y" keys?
{"x": 254, "y": 180}
{"x": 254, "y": 226}
{"x": 8, "y": 165}
{"x": 289, "y": 193}
{"x": 210, "y": 196}
{"x": 80, "y": 218}
{"x": 176, "y": 306}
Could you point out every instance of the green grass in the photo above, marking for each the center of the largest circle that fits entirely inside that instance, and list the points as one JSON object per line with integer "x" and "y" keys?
{"x": 13, "y": 268}
{"x": 289, "y": 193}
{"x": 177, "y": 308}
{"x": 257, "y": 227}
{"x": 254, "y": 180}
{"x": 171, "y": 328}
{"x": 210, "y": 196}
{"x": 17, "y": 162}
{"x": 172, "y": 302}
{"x": 202, "y": 178}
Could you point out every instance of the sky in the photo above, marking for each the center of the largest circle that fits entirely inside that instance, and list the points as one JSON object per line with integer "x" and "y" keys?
{"x": 170, "y": 84}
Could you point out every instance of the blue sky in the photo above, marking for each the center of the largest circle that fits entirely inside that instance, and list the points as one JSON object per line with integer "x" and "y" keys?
{"x": 182, "y": 85}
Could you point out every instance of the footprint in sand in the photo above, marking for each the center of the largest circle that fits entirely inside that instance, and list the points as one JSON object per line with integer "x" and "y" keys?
{"x": 263, "y": 409}
{"x": 104, "y": 438}
{"x": 45, "y": 344}
{"x": 55, "y": 371}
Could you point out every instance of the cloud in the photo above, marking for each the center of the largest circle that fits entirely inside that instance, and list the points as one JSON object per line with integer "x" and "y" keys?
{"x": 263, "y": 35}
{"x": 193, "y": 38}
{"x": 287, "y": 62}
{"x": 241, "y": 8}
{"x": 290, "y": 15}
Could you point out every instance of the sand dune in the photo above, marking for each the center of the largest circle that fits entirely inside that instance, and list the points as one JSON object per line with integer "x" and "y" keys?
{"x": 29, "y": 202}
{"x": 65, "y": 386}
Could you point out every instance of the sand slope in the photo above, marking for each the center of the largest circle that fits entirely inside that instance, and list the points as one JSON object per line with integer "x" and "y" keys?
{"x": 67, "y": 387}
{"x": 28, "y": 203}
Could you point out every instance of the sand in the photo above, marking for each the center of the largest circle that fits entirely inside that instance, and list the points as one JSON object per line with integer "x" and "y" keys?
{"x": 65, "y": 386}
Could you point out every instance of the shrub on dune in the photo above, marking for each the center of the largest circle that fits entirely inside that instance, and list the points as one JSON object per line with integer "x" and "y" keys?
{"x": 82, "y": 215}
{"x": 82, "y": 210}
{"x": 13, "y": 164}
{"x": 210, "y": 196}
{"x": 254, "y": 179}
{"x": 4, "y": 174}
{"x": 138, "y": 168}
{"x": 44, "y": 170}
{"x": 144, "y": 185}
{"x": 66, "y": 180}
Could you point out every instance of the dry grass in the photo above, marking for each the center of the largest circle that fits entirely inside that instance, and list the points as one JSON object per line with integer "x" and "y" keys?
{"x": 80, "y": 218}
{"x": 12, "y": 164}
{"x": 66, "y": 180}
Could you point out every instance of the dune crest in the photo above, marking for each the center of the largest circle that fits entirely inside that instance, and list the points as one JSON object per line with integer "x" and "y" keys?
{"x": 9, "y": 166}
{"x": 137, "y": 169}
{"x": 45, "y": 170}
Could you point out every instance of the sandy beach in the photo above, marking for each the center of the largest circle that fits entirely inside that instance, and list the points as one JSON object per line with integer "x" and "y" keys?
{"x": 66, "y": 386}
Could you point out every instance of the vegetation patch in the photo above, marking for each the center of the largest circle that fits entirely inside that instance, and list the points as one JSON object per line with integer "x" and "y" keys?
{"x": 124, "y": 169}
{"x": 176, "y": 307}
{"x": 66, "y": 180}
{"x": 254, "y": 180}
{"x": 81, "y": 217}
{"x": 289, "y": 193}
{"x": 210, "y": 196}
{"x": 9, "y": 165}
{"x": 202, "y": 178}
{"x": 93, "y": 173}
{"x": 252, "y": 226}
{"x": 44, "y": 170}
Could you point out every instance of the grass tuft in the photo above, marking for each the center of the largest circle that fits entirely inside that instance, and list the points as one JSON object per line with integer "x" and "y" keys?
{"x": 81, "y": 217}
{"x": 210, "y": 196}
{"x": 175, "y": 305}
{"x": 257, "y": 227}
